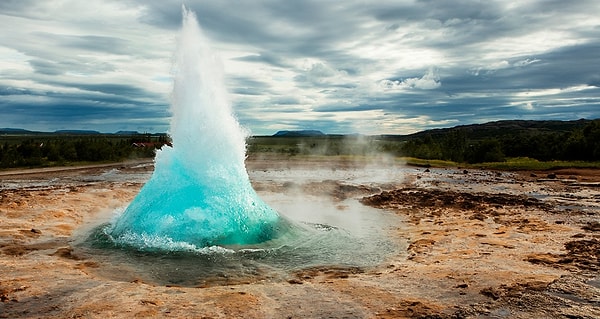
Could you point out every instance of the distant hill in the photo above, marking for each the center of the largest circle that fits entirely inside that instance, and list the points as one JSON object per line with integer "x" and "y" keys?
{"x": 495, "y": 141}
{"x": 301, "y": 133}
{"x": 8, "y": 129}
{"x": 499, "y": 129}
{"x": 127, "y": 133}
{"x": 19, "y": 131}
{"x": 495, "y": 129}
{"x": 83, "y": 132}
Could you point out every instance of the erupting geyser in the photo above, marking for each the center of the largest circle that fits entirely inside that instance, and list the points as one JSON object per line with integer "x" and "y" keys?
{"x": 200, "y": 193}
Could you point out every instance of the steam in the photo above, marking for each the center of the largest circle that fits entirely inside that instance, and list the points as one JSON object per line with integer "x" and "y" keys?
{"x": 200, "y": 192}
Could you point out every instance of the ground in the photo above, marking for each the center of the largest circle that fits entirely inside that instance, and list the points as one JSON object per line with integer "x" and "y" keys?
{"x": 475, "y": 244}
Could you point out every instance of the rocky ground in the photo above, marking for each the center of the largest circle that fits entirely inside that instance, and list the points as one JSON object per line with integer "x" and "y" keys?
{"x": 475, "y": 244}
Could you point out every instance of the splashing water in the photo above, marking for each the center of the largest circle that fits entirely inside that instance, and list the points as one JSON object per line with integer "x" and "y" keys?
{"x": 200, "y": 193}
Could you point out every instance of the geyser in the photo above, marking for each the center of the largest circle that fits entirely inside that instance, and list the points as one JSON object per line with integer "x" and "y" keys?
{"x": 200, "y": 193}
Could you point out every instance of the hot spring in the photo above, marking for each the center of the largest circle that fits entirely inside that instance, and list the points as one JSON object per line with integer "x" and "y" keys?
{"x": 198, "y": 220}
{"x": 199, "y": 194}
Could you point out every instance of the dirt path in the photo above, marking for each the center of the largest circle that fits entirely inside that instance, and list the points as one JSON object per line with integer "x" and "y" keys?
{"x": 62, "y": 170}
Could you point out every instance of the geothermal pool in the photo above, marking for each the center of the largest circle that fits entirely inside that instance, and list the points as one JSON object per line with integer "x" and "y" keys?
{"x": 327, "y": 232}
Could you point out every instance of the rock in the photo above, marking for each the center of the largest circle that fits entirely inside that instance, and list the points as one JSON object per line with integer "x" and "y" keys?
{"x": 551, "y": 176}
{"x": 543, "y": 258}
{"x": 490, "y": 292}
{"x": 66, "y": 252}
{"x": 420, "y": 245}
{"x": 592, "y": 226}
{"x": 147, "y": 302}
{"x": 478, "y": 216}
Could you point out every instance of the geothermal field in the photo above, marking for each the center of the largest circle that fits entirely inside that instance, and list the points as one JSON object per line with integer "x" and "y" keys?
{"x": 202, "y": 231}
{"x": 376, "y": 240}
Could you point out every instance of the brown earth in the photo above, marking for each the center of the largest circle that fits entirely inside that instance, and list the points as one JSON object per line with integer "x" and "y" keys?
{"x": 479, "y": 244}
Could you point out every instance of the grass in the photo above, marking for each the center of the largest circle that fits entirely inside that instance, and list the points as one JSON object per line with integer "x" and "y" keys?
{"x": 525, "y": 163}
{"x": 511, "y": 164}
{"x": 413, "y": 161}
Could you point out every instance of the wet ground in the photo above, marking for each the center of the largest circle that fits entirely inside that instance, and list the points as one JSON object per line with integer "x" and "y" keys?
{"x": 450, "y": 243}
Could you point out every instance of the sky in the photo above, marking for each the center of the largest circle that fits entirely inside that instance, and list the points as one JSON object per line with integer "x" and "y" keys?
{"x": 342, "y": 67}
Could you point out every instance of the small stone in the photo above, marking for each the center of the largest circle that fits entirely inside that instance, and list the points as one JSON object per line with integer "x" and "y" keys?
{"x": 295, "y": 282}
{"x": 490, "y": 292}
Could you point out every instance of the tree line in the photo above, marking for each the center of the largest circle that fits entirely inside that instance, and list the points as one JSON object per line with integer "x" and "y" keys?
{"x": 52, "y": 151}
{"x": 490, "y": 142}
{"x": 580, "y": 144}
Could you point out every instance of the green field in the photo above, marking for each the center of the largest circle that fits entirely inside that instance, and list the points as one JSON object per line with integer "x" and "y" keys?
{"x": 346, "y": 148}
{"x": 505, "y": 145}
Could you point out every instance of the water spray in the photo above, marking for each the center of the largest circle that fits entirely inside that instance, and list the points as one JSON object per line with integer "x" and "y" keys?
{"x": 200, "y": 193}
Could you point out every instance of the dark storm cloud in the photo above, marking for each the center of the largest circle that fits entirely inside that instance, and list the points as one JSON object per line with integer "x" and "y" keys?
{"x": 247, "y": 86}
{"x": 284, "y": 100}
{"x": 567, "y": 66}
{"x": 438, "y": 10}
{"x": 225, "y": 20}
{"x": 561, "y": 68}
{"x": 103, "y": 113}
{"x": 6, "y": 91}
{"x": 296, "y": 28}
{"x": 91, "y": 43}
{"x": 47, "y": 67}
{"x": 122, "y": 90}
{"x": 17, "y": 8}
{"x": 107, "y": 95}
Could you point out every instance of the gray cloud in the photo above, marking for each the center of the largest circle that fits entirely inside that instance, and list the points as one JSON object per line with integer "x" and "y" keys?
{"x": 384, "y": 67}
{"x": 91, "y": 43}
{"x": 265, "y": 57}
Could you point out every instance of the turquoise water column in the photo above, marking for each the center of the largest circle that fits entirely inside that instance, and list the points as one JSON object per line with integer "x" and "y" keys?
{"x": 200, "y": 192}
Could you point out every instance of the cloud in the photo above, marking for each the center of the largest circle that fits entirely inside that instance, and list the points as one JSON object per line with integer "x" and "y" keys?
{"x": 321, "y": 75}
{"x": 428, "y": 81}
{"x": 351, "y": 67}
{"x": 264, "y": 57}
